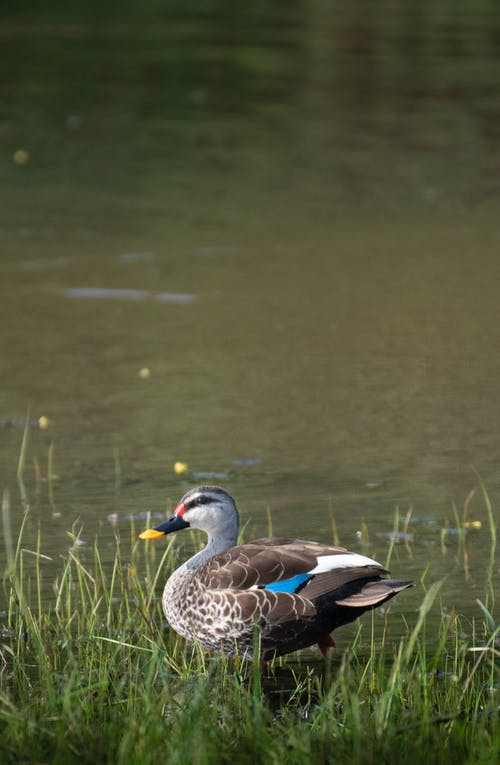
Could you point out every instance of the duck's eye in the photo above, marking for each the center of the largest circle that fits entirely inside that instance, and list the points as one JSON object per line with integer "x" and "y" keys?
{"x": 197, "y": 501}
{"x": 203, "y": 500}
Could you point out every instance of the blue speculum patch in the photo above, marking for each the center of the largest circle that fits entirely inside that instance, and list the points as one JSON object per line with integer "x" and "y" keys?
{"x": 288, "y": 585}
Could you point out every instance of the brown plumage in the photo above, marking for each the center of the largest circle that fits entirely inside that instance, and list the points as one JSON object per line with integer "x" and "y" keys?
{"x": 295, "y": 591}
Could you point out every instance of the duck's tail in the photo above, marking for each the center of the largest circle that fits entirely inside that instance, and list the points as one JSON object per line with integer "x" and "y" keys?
{"x": 374, "y": 593}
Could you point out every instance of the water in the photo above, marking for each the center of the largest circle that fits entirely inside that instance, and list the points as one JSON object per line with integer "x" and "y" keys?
{"x": 264, "y": 243}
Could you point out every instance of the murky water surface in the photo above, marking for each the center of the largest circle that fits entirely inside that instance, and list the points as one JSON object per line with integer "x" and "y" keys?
{"x": 265, "y": 243}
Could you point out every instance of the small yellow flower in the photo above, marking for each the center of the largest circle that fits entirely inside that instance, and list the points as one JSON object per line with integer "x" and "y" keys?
{"x": 180, "y": 468}
{"x": 43, "y": 422}
{"x": 472, "y": 525}
{"x": 21, "y": 157}
{"x": 145, "y": 373}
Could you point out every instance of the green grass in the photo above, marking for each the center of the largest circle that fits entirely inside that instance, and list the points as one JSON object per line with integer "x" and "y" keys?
{"x": 91, "y": 674}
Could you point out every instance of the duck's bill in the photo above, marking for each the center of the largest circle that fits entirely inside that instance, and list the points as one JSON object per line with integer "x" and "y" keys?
{"x": 151, "y": 534}
{"x": 175, "y": 523}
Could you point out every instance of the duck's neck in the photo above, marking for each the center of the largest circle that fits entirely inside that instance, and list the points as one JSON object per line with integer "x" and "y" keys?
{"x": 213, "y": 546}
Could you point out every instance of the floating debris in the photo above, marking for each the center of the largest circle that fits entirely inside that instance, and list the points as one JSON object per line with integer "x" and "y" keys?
{"x": 465, "y": 529}
{"x": 423, "y": 519}
{"x": 129, "y": 294}
{"x": 211, "y": 474}
{"x": 79, "y": 542}
{"x": 144, "y": 373}
{"x": 105, "y": 292}
{"x": 362, "y": 535}
{"x": 247, "y": 462}
{"x": 396, "y": 536}
{"x": 43, "y": 422}
{"x": 20, "y": 422}
{"x": 176, "y": 297}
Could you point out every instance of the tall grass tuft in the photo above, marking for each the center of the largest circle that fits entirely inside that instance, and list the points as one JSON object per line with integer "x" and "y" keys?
{"x": 91, "y": 673}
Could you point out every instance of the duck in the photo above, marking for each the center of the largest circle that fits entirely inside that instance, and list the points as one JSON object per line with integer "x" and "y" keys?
{"x": 296, "y": 592}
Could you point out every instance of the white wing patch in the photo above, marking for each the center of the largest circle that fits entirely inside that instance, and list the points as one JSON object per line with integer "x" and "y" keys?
{"x": 343, "y": 560}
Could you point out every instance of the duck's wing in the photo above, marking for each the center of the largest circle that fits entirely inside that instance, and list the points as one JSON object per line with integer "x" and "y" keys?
{"x": 295, "y": 590}
{"x": 293, "y": 566}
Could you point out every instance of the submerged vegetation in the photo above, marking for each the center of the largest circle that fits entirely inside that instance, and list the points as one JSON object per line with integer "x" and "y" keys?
{"x": 92, "y": 674}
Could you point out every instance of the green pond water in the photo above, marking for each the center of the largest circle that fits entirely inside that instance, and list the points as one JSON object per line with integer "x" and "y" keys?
{"x": 290, "y": 217}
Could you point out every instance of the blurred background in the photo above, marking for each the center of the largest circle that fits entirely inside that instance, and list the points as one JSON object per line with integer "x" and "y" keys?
{"x": 262, "y": 240}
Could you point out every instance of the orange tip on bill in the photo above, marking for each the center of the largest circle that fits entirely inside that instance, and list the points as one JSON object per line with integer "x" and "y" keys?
{"x": 151, "y": 534}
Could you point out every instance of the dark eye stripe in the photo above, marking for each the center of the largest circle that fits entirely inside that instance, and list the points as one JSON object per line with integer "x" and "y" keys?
{"x": 202, "y": 499}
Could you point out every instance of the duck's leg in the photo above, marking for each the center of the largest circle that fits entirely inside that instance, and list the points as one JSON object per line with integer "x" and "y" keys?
{"x": 326, "y": 643}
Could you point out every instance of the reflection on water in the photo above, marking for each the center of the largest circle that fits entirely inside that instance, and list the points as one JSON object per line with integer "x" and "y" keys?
{"x": 318, "y": 189}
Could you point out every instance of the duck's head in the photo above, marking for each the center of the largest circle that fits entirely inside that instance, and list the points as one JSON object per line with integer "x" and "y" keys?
{"x": 208, "y": 508}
